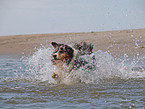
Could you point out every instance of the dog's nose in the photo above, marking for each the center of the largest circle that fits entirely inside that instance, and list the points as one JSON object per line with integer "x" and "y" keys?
{"x": 54, "y": 56}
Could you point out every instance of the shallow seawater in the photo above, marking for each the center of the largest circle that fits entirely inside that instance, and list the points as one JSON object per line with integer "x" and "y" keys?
{"x": 105, "y": 82}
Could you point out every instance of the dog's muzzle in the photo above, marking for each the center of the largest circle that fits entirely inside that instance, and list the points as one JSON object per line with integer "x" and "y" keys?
{"x": 55, "y": 57}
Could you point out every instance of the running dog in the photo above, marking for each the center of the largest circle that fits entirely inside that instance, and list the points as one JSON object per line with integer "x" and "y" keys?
{"x": 66, "y": 58}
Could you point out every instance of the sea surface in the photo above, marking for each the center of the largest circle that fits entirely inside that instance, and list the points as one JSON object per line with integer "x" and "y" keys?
{"x": 105, "y": 82}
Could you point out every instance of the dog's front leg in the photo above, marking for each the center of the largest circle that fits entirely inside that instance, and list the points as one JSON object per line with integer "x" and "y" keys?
{"x": 54, "y": 75}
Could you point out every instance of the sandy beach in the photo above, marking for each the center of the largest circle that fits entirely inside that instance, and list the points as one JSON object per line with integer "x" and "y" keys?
{"x": 117, "y": 43}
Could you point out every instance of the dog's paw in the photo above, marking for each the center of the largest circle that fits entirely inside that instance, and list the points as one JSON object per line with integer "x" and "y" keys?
{"x": 54, "y": 75}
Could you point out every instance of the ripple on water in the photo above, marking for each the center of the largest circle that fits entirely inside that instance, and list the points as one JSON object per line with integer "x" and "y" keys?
{"x": 27, "y": 83}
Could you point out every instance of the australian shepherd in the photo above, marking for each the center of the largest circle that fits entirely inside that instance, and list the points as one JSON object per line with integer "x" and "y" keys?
{"x": 67, "y": 58}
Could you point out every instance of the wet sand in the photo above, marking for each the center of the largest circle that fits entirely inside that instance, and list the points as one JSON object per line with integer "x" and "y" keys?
{"x": 117, "y": 43}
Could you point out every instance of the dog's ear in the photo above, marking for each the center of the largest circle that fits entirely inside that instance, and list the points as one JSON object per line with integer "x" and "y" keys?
{"x": 54, "y": 44}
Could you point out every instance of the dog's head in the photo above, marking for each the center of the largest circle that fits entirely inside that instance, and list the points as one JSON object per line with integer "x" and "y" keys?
{"x": 63, "y": 53}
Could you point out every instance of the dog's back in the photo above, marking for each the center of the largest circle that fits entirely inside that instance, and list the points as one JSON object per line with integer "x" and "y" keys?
{"x": 84, "y": 48}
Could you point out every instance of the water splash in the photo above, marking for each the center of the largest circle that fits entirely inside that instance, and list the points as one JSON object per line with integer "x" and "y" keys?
{"x": 101, "y": 67}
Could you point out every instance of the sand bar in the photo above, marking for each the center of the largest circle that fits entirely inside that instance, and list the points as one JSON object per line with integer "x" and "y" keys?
{"x": 117, "y": 43}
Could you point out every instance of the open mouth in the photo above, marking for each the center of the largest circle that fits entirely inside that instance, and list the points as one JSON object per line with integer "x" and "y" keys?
{"x": 54, "y": 61}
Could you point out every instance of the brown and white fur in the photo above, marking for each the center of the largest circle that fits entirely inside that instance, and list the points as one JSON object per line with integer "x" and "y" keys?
{"x": 66, "y": 58}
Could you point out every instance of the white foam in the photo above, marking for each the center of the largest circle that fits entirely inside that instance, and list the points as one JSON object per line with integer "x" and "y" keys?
{"x": 101, "y": 66}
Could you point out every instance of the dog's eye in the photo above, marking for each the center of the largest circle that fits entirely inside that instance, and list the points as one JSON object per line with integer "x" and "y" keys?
{"x": 61, "y": 48}
{"x": 61, "y": 51}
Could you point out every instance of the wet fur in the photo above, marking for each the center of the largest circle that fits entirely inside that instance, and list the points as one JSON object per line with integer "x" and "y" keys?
{"x": 67, "y": 58}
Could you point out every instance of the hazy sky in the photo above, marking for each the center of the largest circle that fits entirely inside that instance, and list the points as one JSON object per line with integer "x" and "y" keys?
{"x": 57, "y": 16}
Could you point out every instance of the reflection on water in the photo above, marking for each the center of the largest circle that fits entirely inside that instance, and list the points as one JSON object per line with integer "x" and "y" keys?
{"x": 114, "y": 83}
